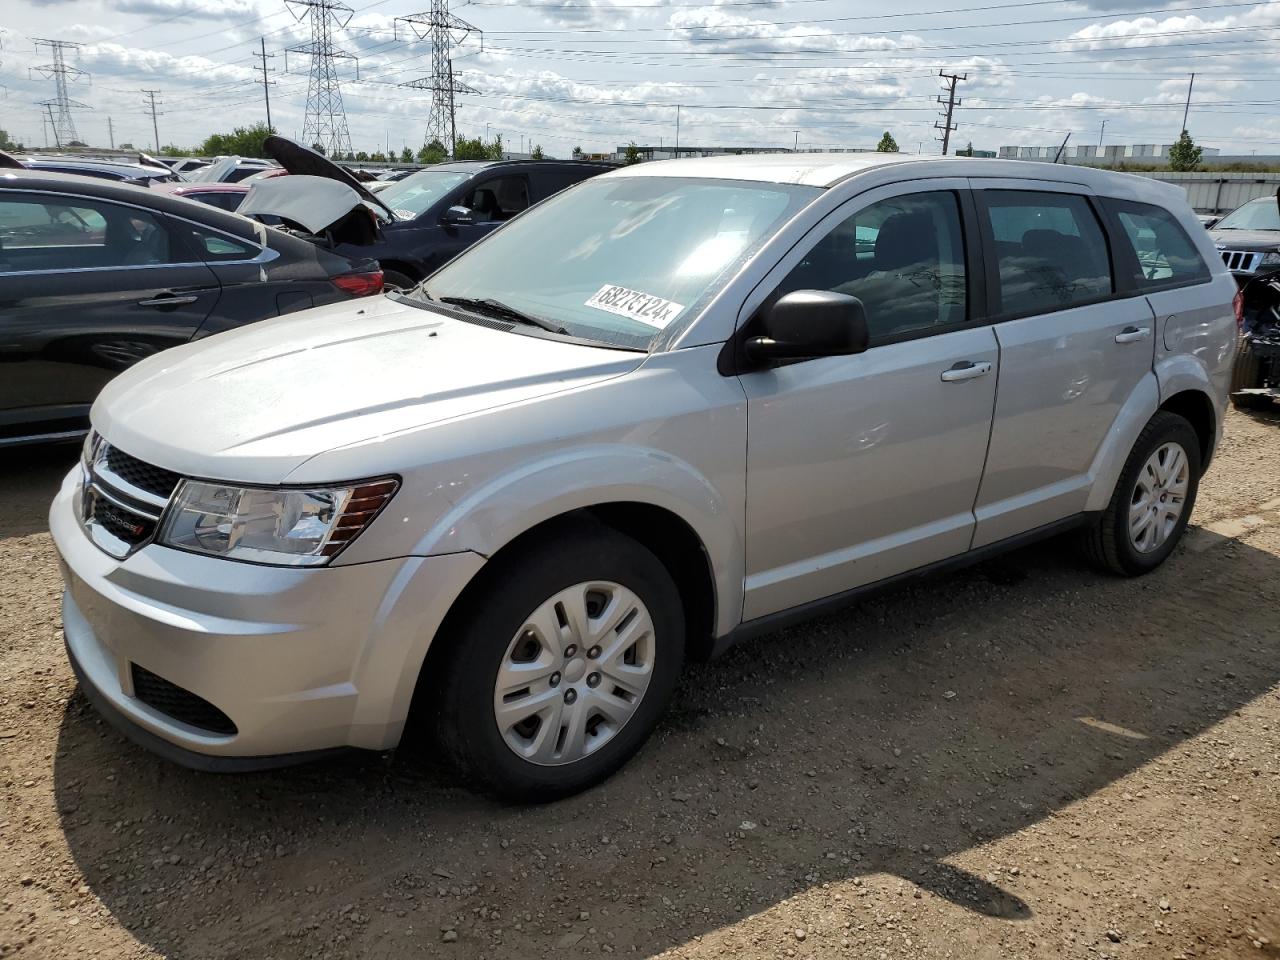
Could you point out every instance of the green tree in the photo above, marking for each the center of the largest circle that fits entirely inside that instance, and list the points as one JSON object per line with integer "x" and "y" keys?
{"x": 406, "y": 155}
{"x": 6, "y": 143}
{"x": 1184, "y": 156}
{"x": 378, "y": 157}
{"x": 632, "y": 154}
{"x": 577, "y": 153}
{"x": 240, "y": 142}
{"x": 433, "y": 152}
{"x": 537, "y": 153}
{"x": 362, "y": 157}
{"x": 477, "y": 149}
{"x": 887, "y": 144}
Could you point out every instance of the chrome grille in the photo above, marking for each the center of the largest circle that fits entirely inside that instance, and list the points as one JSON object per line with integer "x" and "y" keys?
{"x": 1241, "y": 261}
{"x": 123, "y": 499}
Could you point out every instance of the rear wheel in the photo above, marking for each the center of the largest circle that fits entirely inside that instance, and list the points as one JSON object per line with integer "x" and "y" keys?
{"x": 561, "y": 665}
{"x": 1152, "y": 501}
{"x": 1246, "y": 374}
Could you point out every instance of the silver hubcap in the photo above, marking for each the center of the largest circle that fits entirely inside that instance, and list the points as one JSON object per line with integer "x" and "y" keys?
{"x": 574, "y": 673}
{"x": 1159, "y": 498}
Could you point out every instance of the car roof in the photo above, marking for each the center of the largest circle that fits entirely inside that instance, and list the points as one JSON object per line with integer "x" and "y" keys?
{"x": 186, "y": 187}
{"x": 475, "y": 166}
{"x": 828, "y": 169}
{"x": 135, "y": 169}
{"x": 139, "y": 196}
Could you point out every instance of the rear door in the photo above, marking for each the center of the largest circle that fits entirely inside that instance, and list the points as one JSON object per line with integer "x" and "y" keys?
{"x": 87, "y": 288}
{"x": 1073, "y": 350}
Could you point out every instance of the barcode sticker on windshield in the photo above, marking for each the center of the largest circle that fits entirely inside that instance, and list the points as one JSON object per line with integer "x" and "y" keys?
{"x": 644, "y": 307}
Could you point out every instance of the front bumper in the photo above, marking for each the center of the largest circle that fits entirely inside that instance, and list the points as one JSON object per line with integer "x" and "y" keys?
{"x": 299, "y": 659}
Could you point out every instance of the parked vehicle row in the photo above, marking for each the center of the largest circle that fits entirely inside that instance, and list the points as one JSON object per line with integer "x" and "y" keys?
{"x": 672, "y": 406}
{"x": 1248, "y": 239}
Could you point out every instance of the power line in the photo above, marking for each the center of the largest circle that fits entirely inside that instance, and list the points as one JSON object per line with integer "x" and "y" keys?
{"x": 443, "y": 29}
{"x": 325, "y": 122}
{"x": 151, "y": 106}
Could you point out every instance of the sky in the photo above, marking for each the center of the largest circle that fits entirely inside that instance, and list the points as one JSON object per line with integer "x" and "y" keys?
{"x": 597, "y": 74}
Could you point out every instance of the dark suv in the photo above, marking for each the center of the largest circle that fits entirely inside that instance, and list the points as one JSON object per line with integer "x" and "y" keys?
{"x": 431, "y": 216}
{"x": 1248, "y": 240}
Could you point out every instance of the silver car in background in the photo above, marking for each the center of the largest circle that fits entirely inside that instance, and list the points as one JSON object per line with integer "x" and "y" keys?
{"x": 676, "y": 405}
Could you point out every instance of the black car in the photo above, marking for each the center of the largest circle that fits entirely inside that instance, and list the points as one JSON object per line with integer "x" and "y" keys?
{"x": 96, "y": 275}
{"x": 433, "y": 215}
{"x": 1248, "y": 239}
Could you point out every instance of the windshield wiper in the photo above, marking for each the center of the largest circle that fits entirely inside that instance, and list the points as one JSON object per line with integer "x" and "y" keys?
{"x": 487, "y": 306}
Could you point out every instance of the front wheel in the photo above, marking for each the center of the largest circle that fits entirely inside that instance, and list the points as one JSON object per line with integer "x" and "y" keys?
{"x": 1152, "y": 501}
{"x": 561, "y": 664}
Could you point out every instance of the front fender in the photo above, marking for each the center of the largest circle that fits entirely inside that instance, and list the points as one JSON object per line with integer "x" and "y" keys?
{"x": 498, "y": 511}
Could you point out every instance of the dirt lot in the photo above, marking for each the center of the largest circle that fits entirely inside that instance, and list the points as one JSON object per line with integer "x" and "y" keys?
{"x": 1023, "y": 760}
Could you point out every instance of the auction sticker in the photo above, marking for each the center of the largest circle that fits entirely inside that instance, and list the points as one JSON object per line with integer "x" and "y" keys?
{"x": 644, "y": 307}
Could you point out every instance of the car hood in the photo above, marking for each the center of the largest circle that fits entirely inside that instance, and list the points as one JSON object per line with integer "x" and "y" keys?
{"x": 298, "y": 159}
{"x": 253, "y": 404}
{"x": 1246, "y": 239}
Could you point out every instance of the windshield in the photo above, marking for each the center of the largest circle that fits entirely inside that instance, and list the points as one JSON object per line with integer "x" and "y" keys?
{"x": 621, "y": 259}
{"x": 413, "y": 195}
{"x": 1263, "y": 214}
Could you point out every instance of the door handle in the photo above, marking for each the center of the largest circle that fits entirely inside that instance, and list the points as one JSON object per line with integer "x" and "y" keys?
{"x": 168, "y": 300}
{"x": 966, "y": 370}
{"x": 1133, "y": 334}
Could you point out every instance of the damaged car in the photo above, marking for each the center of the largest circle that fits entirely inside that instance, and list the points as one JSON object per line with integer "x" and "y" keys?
{"x": 431, "y": 216}
{"x": 1248, "y": 239}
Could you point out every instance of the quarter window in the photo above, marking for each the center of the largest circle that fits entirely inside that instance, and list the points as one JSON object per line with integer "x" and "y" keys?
{"x": 902, "y": 257}
{"x": 1165, "y": 255}
{"x": 47, "y": 232}
{"x": 217, "y": 247}
{"x": 1051, "y": 252}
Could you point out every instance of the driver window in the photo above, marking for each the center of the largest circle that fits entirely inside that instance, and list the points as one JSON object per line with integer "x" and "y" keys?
{"x": 902, "y": 257}
{"x": 498, "y": 199}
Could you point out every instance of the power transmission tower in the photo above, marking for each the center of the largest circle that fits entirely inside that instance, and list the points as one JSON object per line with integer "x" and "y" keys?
{"x": 446, "y": 32}
{"x": 111, "y": 133}
{"x": 266, "y": 84}
{"x": 151, "y": 106}
{"x": 325, "y": 122}
{"x": 945, "y": 125}
{"x": 60, "y": 107}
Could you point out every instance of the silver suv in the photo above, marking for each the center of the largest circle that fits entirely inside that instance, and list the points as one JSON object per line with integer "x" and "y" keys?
{"x": 675, "y": 405}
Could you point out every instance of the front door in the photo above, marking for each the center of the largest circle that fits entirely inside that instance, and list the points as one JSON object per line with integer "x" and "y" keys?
{"x": 863, "y": 467}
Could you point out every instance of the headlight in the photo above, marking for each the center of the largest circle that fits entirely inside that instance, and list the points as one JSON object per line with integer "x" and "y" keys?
{"x": 1272, "y": 259}
{"x": 289, "y": 526}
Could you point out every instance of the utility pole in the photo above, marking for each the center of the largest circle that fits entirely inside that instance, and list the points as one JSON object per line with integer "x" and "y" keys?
{"x": 1187, "y": 108}
{"x": 445, "y": 31}
{"x": 266, "y": 84}
{"x": 151, "y": 106}
{"x": 111, "y": 133}
{"x": 51, "y": 125}
{"x": 946, "y": 126}
{"x": 677, "y": 153}
{"x": 64, "y": 127}
{"x": 1102, "y": 133}
{"x": 797, "y": 148}
{"x": 325, "y": 121}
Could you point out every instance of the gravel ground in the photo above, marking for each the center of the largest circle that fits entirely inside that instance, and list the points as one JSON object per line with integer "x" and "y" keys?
{"x": 1022, "y": 760}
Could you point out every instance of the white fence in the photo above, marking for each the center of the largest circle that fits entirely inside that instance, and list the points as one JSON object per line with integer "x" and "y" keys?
{"x": 1221, "y": 192}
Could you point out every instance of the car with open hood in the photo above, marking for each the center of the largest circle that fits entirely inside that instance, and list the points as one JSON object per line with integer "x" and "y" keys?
{"x": 673, "y": 406}
{"x": 429, "y": 217}
{"x": 97, "y": 275}
{"x": 1248, "y": 238}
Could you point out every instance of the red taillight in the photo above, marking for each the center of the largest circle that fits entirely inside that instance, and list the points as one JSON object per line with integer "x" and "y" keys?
{"x": 359, "y": 284}
{"x": 1237, "y": 304}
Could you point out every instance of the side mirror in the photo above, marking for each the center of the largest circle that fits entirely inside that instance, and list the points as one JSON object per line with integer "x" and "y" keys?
{"x": 458, "y": 216}
{"x": 806, "y": 324}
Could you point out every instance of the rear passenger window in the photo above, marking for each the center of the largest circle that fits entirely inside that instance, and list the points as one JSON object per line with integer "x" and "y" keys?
{"x": 1050, "y": 251}
{"x": 902, "y": 257}
{"x": 1165, "y": 255}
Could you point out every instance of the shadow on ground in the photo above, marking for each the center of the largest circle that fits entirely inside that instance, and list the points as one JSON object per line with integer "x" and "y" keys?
{"x": 883, "y": 739}
{"x": 29, "y": 478}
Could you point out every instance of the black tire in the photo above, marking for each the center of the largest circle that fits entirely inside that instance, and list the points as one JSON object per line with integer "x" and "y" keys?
{"x": 476, "y": 641}
{"x": 1106, "y": 541}
{"x": 1246, "y": 374}
{"x": 397, "y": 280}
